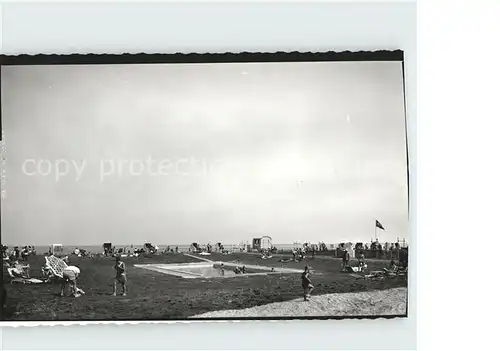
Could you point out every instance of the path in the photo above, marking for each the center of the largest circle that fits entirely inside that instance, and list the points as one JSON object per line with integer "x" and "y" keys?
{"x": 370, "y": 303}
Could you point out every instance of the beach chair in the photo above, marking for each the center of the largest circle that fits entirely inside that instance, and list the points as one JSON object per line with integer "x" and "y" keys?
{"x": 15, "y": 275}
{"x": 21, "y": 275}
{"x": 55, "y": 265}
{"x": 19, "y": 271}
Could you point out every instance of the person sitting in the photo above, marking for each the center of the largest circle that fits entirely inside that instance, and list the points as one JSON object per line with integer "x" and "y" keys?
{"x": 17, "y": 273}
{"x": 19, "y": 270}
{"x": 392, "y": 267}
{"x": 46, "y": 273}
{"x": 361, "y": 262}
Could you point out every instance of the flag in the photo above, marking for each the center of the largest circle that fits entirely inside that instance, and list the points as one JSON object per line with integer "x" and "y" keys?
{"x": 378, "y": 225}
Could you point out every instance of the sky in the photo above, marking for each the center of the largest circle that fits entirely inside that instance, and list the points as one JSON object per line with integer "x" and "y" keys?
{"x": 181, "y": 153}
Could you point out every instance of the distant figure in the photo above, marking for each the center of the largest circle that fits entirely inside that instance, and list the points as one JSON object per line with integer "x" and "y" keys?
{"x": 70, "y": 274}
{"x": 307, "y": 283}
{"x": 345, "y": 259}
{"x": 24, "y": 253}
{"x": 361, "y": 261}
{"x": 222, "y": 269}
{"x": 4, "y": 296}
{"x": 301, "y": 254}
{"x": 120, "y": 276}
{"x": 177, "y": 249}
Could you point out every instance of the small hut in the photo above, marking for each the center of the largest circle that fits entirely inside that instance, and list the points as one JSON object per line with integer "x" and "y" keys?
{"x": 262, "y": 243}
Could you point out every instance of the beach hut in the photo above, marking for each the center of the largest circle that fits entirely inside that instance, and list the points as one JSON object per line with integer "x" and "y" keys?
{"x": 266, "y": 243}
{"x": 57, "y": 250}
{"x": 262, "y": 243}
{"x": 107, "y": 249}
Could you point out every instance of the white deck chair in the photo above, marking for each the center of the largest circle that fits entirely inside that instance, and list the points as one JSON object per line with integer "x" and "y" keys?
{"x": 19, "y": 279}
{"x": 17, "y": 275}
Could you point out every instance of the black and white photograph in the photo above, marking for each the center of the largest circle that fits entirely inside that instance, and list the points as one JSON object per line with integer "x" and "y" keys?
{"x": 204, "y": 187}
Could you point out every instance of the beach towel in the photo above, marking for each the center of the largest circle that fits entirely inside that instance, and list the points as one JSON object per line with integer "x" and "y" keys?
{"x": 27, "y": 281}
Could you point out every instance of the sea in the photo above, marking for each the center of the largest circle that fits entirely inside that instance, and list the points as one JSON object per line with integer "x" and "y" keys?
{"x": 131, "y": 247}
{"x": 181, "y": 247}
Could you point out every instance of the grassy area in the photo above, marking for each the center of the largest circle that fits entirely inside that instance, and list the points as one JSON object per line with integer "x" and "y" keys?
{"x": 154, "y": 295}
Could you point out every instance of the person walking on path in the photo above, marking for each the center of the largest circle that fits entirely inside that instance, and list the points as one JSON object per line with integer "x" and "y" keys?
{"x": 307, "y": 283}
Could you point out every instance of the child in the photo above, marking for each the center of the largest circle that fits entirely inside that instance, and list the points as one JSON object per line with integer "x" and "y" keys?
{"x": 46, "y": 273}
{"x": 120, "y": 276}
{"x": 307, "y": 283}
{"x": 361, "y": 262}
{"x": 70, "y": 274}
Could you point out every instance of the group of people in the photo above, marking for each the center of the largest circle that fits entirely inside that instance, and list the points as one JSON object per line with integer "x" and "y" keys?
{"x": 168, "y": 249}
{"x": 16, "y": 253}
{"x": 346, "y": 261}
{"x": 240, "y": 270}
{"x": 70, "y": 275}
{"x": 298, "y": 254}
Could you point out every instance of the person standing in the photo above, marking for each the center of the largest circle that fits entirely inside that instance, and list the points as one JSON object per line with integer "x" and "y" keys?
{"x": 120, "y": 277}
{"x": 70, "y": 274}
{"x": 307, "y": 283}
{"x": 345, "y": 259}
